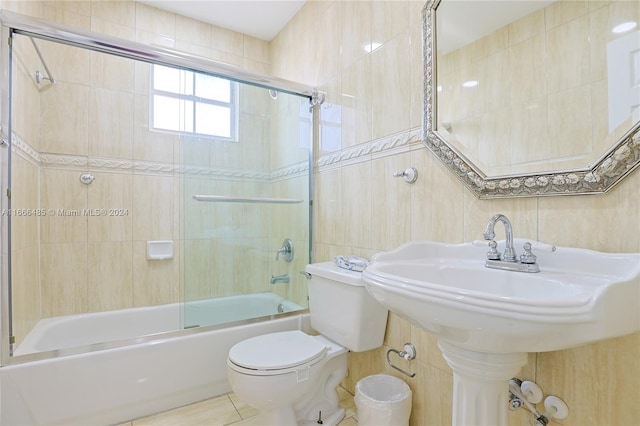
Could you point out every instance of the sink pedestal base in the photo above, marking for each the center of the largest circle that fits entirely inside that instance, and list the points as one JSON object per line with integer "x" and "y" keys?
{"x": 480, "y": 384}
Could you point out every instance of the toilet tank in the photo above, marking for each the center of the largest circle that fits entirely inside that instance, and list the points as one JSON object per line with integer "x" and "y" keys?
{"x": 342, "y": 309}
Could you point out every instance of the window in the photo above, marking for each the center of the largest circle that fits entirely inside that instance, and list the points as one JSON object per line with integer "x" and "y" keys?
{"x": 186, "y": 101}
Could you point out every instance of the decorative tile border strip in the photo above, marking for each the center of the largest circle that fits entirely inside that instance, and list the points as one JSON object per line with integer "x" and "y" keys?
{"x": 23, "y": 148}
{"x": 362, "y": 152}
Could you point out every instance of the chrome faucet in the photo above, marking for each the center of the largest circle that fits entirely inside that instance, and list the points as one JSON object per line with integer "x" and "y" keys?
{"x": 279, "y": 279}
{"x": 509, "y": 254}
{"x": 509, "y": 261}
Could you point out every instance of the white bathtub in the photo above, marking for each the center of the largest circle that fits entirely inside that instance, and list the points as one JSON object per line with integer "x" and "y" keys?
{"x": 71, "y": 331}
{"x": 142, "y": 377}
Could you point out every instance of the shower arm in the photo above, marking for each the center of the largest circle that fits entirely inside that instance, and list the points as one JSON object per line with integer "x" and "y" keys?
{"x": 44, "y": 64}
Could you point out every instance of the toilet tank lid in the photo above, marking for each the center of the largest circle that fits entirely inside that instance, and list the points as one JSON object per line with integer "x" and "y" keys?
{"x": 330, "y": 270}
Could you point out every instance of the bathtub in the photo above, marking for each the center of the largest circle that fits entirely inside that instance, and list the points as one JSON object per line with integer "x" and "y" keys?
{"x": 132, "y": 376}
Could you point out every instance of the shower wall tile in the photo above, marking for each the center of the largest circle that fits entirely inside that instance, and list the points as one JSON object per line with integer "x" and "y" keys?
{"x": 119, "y": 12}
{"x": 64, "y": 197}
{"x": 29, "y": 8}
{"x": 26, "y": 115}
{"x": 110, "y": 276}
{"x": 111, "y": 196}
{"x": 73, "y": 13}
{"x": 25, "y": 287}
{"x": 153, "y": 206}
{"x": 193, "y": 31}
{"x": 200, "y": 267}
{"x": 228, "y": 58}
{"x": 155, "y": 282}
{"x": 155, "y": 21}
{"x": 115, "y": 29}
{"x": 255, "y": 49}
{"x": 24, "y": 227}
{"x": 227, "y": 41}
{"x": 111, "y": 123}
{"x": 67, "y": 64}
{"x": 63, "y": 275}
{"x": 112, "y": 72}
{"x": 65, "y": 133}
{"x": 193, "y": 49}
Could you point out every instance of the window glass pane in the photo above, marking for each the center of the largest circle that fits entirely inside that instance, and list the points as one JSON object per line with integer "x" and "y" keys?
{"x": 172, "y": 80}
{"x": 172, "y": 114}
{"x": 166, "y": 113}
{"x": 215, "y": 88}
{"x": 213, "y": 120}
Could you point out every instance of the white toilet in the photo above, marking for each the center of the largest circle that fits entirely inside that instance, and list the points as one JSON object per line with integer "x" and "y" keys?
{"x": 290, "y": 376}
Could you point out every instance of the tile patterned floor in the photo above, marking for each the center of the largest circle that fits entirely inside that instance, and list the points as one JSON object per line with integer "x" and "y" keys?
{"x": 227, "y": 410}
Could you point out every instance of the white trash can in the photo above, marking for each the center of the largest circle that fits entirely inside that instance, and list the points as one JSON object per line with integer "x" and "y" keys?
{"x": 382, "y": 399}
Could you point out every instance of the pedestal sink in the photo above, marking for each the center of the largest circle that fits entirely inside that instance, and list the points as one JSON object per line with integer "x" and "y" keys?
{"x": 488, "y": 319}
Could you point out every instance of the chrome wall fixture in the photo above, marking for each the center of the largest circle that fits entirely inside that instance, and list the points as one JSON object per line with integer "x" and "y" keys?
{"x": 410, "y": 175}
{"x": 87, "y": 178}
{"x": 286, "y": 250}
{"x": 527, "y": 394}
{"x": 408, "y": 352}
{"x": 39, "y": 76}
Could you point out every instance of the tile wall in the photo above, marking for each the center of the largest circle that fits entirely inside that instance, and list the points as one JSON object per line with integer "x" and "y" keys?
{"x": 362, "y": 209}
{"x": 95, "y": 119}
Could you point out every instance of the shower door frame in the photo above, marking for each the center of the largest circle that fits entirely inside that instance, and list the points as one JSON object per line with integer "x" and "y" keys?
{"x": 15, "y": 23}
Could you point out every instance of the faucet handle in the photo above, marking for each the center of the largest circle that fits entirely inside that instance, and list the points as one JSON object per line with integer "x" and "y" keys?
{"x": 493, "y": 253}
{"x": 527, "y": 256}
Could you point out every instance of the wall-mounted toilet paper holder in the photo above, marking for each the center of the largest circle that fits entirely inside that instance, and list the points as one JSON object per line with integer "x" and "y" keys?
{"x": 408, "y": 352}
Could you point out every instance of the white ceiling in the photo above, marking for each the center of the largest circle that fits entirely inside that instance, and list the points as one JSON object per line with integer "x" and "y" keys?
{"x": 258, "y": 18}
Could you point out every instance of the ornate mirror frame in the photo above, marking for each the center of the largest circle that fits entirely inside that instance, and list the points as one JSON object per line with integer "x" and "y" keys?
{"x": 616, "y": 163}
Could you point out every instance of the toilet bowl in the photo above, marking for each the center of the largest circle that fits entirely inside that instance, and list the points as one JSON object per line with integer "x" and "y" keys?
{"x": 293, "y": 386}
{"x": 292, "y": 377}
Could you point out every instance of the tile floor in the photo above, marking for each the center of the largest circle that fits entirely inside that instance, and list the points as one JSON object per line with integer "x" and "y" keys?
{"x": 227, "y": 410}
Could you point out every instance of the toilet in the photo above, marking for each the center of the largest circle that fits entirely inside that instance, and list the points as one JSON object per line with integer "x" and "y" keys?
{"x": 291, "y": 377}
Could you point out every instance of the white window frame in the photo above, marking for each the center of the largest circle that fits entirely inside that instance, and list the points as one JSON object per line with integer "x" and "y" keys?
{"x": 193, "y": 100}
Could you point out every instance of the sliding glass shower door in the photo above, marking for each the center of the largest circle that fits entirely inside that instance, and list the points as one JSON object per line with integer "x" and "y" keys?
{"x": 136, "y": 184}
{"x": 246, "y": 196}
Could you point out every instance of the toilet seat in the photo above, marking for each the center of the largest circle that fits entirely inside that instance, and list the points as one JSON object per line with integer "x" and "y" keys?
{"x": 276, "y": 353}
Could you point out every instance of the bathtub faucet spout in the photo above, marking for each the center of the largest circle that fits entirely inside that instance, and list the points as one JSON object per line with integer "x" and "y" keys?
{"x": 279, "y": 279}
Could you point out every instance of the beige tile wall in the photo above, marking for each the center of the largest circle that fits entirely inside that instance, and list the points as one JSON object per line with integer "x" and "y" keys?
{"x": 361, "y": 209}
{"x": 524, "y": 106}
{"x": 98, "y": 112}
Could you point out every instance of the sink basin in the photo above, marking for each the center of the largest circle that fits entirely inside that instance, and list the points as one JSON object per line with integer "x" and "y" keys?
{"x": 579, "y": 296}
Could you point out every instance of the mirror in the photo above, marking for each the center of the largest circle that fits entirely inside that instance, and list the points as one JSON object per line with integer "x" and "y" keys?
{"x": 531, "y": 98}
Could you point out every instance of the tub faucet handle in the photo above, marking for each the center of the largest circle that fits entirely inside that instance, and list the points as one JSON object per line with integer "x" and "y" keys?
{"x": 286, "y": 250}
